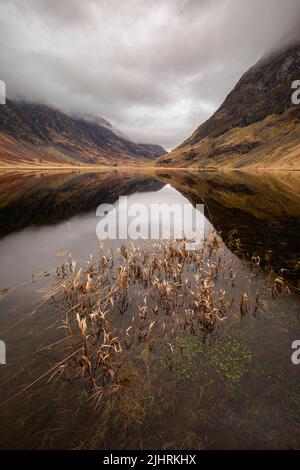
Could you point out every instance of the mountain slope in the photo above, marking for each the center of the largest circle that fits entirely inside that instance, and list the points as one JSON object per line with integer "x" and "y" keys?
{"x": 257, "y": 125}
{"x": 35, "y": 134}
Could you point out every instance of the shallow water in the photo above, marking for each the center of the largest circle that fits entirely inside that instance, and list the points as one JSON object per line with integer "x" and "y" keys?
{"x": 241, "y": 391}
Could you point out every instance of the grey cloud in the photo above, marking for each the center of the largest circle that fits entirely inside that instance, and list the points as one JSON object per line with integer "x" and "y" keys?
{"x": 155, "y": 69}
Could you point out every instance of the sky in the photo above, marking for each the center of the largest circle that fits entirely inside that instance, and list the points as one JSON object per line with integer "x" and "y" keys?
{"x": 155, "y": 69}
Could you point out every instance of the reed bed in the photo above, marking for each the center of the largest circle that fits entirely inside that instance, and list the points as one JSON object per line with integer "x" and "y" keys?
{"x": 148, "y": 333}
{"x": 140, "y": 300}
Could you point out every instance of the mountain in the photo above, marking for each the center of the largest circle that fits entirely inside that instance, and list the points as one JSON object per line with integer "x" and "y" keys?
{"x": 256, "y": 126}
{"x": 35, "y": 134}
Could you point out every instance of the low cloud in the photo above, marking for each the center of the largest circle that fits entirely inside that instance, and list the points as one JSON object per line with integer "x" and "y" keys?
{"x": 156, "y": 70}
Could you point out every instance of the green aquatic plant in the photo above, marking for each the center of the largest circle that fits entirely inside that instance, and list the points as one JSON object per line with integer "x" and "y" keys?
{"x": 228, "y": 356}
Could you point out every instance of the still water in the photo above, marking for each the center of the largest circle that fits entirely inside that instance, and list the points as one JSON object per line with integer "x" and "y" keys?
{"x": 241, "y": 391}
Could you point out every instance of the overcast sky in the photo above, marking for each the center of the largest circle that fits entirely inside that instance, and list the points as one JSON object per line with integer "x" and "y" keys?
{"x": 155, "y": 69}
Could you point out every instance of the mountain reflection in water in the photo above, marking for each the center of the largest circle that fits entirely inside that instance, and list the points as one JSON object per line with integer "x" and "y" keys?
{"x": 240, "y": 391}
{"x": 262, "y": 210}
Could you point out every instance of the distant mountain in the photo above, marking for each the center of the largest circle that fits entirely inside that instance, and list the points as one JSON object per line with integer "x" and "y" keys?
{"x": 35, "y": 134}
{"x": 256, "y": 126}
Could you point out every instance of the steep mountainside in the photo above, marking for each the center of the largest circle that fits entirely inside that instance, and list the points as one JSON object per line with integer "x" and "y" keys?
{"x": 257, "y": 125}
{"x": 34, "y": 134}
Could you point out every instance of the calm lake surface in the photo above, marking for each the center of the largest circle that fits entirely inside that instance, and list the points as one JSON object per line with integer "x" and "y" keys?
{"x": 241, "y": 391}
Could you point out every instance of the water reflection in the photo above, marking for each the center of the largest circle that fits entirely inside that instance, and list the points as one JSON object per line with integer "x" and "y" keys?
{"x": 263, "y": 210}
{"x": 257, "y": 405}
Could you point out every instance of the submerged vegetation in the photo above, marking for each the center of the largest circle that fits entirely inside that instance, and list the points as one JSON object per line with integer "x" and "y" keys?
{"x": 150, "y": 345}
{"x": 141, "y": 303}
{"x": 151, "y": 336}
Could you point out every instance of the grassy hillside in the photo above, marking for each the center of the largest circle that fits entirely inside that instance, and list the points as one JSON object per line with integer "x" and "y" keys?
{"x": 256, "y": 126}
